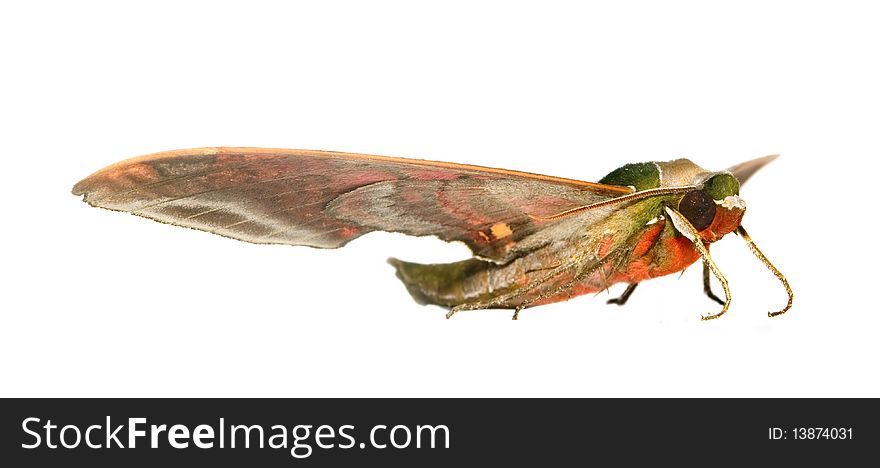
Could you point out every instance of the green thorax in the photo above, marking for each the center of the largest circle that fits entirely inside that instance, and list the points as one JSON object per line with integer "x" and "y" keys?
{"x": 677, "y": 173}
{"x": 642, "y": 176}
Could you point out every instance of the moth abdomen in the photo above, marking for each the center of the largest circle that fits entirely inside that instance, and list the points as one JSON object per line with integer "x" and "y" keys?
{"x": 451, "y": 284}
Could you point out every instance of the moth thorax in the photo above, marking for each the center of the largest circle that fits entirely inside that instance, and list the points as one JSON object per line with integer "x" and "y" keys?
{"x": 680, "y": 172}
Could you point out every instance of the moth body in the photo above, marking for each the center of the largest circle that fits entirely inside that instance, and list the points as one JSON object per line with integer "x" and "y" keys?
{"x": 590, "y": 260}
{"x": 536, "y": 239}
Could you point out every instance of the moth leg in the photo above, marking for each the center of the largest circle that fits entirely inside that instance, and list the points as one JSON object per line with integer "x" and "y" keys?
{"x": 462, "y": 307}
{"x": 502, "y": 299}
{"x": 707, "y": 285}
{"x": 454, "y": 310}
{"x": 469, "y": 306}
{"x": 625, "y": 296}
{"x": 488, "y": 304}
{"x": 582, "y": 272}
{"x": 688, "y": 230}
{"x": 516, "y": 312}
{"x": 715, "y": 270}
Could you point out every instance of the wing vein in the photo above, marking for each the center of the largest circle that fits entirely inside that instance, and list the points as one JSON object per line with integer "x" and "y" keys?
{"x": 215, "y": 190}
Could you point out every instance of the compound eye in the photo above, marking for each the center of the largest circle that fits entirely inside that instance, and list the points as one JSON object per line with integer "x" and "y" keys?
{"x": 699, "y": 208}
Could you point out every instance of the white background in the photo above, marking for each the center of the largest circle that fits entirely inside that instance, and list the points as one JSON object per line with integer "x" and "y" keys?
{"x": 96, "y": 303}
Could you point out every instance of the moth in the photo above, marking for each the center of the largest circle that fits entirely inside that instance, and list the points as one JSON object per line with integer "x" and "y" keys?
{"x": 535, "y": 239}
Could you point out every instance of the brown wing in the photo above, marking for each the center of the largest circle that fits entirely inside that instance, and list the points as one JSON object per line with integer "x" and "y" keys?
{"x": 325, "y": 199}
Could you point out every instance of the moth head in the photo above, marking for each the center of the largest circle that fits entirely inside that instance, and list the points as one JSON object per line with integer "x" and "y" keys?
{"x": 715, "y": 209}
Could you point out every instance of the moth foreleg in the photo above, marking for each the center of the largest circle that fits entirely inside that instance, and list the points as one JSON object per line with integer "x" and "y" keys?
{"x": 625, "y": 296}
{"x": 707, "y": 284}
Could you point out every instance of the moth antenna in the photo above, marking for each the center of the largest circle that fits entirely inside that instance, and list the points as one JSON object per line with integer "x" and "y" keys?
{"x": 688, "y": 230}
{"x": 613, "y": 201}
{"x": 754, "y": 248}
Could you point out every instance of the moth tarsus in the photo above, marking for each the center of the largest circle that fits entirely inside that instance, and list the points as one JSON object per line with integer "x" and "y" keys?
{"x": 516, "y": 313}
{"x": 621, "y": 300}
{"x": 535, "y": 239}
{"x": 707, "y": 284}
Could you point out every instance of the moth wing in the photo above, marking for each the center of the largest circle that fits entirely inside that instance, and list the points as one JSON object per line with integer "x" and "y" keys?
{"x": 744, "y": 171}
{"x": 325, "y": 199}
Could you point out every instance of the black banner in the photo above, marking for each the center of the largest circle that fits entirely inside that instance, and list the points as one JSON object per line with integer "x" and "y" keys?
{"x": 401, "y": 432}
